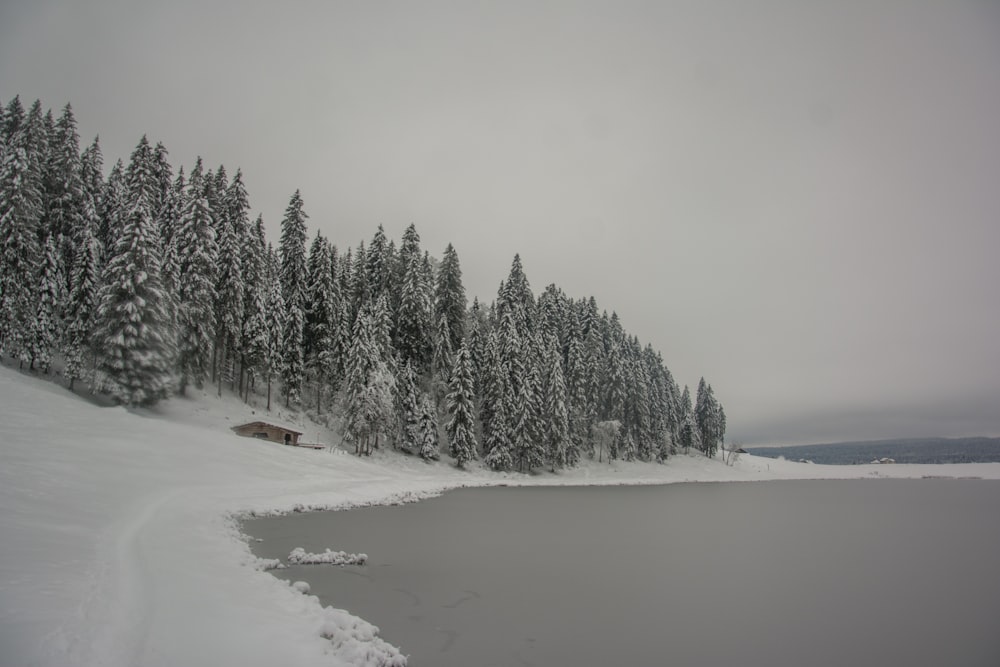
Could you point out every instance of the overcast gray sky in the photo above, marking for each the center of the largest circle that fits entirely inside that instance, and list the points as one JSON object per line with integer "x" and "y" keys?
{"x": 798, "y": 200}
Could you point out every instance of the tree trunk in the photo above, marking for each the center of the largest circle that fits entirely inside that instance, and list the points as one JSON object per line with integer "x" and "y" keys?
{"x": 222, "y": 366}
{"x": 243, "y": 363}
{"x": 268, "y": 392}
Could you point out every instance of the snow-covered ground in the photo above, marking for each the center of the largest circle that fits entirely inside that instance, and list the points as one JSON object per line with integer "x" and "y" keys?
{"x": 117, "y": 545}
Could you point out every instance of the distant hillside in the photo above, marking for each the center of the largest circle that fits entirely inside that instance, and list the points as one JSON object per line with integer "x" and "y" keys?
{"x": 904, "y": 450}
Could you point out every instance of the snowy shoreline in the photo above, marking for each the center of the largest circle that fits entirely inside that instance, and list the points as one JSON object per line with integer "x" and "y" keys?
{"x": 121, "y": 542}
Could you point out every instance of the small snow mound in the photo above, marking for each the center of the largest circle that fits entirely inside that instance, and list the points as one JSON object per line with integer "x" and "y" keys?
{"x": 301, "y": 587}
{"x": 356, "y": 641}
{"x": 269, "y": 564}
{"x": 300, "y": 557}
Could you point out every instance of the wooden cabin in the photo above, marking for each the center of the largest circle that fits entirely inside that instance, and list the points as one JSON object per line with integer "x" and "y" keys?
{"x": 267, "y": 431}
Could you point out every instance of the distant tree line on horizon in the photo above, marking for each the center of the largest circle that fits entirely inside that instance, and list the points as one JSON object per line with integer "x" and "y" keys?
{"x": 148, "y": 281}
{"x": 902, "y": 450}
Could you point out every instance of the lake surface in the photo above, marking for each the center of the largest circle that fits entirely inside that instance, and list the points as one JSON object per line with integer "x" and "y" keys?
{"x": 864, "y": 572}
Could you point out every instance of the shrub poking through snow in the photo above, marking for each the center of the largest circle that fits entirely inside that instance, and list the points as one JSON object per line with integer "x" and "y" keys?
{"x": 328, "y": 557}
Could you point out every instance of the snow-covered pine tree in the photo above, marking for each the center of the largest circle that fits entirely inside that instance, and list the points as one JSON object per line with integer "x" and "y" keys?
{"x": 576, "y": 398}
{"x": 516, "y": 297}
{"x": 131, "y": 331}
{"x": 639, "y": 409}
{"x": 274, "y": 307}
{"x": 20, "y": 220}
{"x": 163, "y": 176}
{"x": 37, "y": 128}
{"x": 13, "y": 118}
{"x": 528, "y": 431}
{"x": 449, "y": 299}
{"x": 171, "y": 212}
{"x": 461, "y": 427}
{"x": 428, "y": 430}
{"x": 413, "y": 318}
{"x": 615, "y": 386}
{"x": 360, "y": 296}
{"x": 476, "y": 326}
{"x": 81, "y": 306}
{"x": 368, "y": 389}
{"x": 231, "y": 225}
{"x": 322, "y": 317}
{"x": 490, "y": 391}
{"x": 379, "y": 271}
{"x": 382, "y": 330}
{"x": 688, "y": 428}
{"x": 409, "y": 416}
{"x": 65, "y": 195}
{"x": 46, "y": 328}
{"x": 442, "y": 361}
{"x": 143, "y": 184}
{"x": 498, "y": 441}
{"x": 112, "y": 211}
{"x": 197, "y": 254}
{"x": 560, "y": 449}
{"x": 92, "y": 187}
{"x": 253, "y": 337}
{"x": 293, "y": 290}
{"x": 708, "y": 417}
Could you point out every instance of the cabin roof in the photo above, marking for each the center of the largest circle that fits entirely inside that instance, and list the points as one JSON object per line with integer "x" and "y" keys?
{"x": 268, "y": 424}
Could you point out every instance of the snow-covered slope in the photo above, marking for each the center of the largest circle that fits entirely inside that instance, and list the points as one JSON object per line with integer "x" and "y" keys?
{"x": 117, "y": 547}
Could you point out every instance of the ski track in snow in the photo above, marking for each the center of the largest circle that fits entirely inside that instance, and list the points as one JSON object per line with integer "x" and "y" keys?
{"x": 120, "y": 545}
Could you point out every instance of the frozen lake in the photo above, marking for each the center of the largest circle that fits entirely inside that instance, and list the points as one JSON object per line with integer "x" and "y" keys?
{"x": 865, "y": 572}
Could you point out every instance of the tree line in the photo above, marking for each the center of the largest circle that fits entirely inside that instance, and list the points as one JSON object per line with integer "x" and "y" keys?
{"x": 148, "y": 281}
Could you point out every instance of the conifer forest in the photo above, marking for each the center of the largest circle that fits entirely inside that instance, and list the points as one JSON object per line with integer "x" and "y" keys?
{"x": 142, "y": 281}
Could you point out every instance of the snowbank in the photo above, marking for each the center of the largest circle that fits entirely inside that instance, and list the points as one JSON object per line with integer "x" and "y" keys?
{"x": 119, "y": 543}
{"x": 298, "y": 556}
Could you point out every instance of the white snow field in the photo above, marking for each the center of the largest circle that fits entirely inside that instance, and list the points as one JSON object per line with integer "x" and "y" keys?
{"x": 118, "y": 548}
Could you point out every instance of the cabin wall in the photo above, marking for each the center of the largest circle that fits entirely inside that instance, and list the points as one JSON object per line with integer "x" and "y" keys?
{"x": 272, "y": 433}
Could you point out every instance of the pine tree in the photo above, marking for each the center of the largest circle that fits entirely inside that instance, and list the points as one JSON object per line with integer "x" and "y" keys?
{"x": 560, "y": 450}
{"x": 689, "y": 435}
{"x": 368, "y": 390}
{"x": 65, "y": 194}
{"x": 528, "y": 432}
{"x": 499, "y": 444}
{"x": 708, "y": 417}
{"x": 46, "y": 328}
{"x": 112, "y": 211}
{"x": 20, "y": 220}
{"x": 378, "y": 266}
{"x": 231, "y": 225}
{"x": 321, "y": 318}
{"x": 253, "y": 341}
{"x": 409, "y": 411}
{"x": 449, "y": 301}
{"x": 516, "y": 298}
{"x": 172, "y": 212}
{"x": 13, "y": 118}
{"x": 143, "y": 184}
{"x": 293, "y": 288}
{"x": 197, "y": 256}
{"x": 461, "y": 427}
{"x": 131, "y": 331}
{"x": 81, "y": 306}
{"x": 274, "y": 306}
{"x": 413, "y": 320}
{"x": 428, "y": 430}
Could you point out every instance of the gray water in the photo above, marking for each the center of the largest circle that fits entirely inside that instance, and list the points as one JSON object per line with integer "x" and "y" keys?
{"x": 866, "y": 572}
